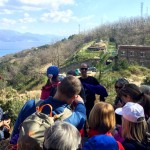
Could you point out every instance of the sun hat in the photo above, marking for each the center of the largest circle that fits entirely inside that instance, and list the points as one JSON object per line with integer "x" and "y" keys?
{"x": 52, "y": 71}
{"x": 132, "y": 112}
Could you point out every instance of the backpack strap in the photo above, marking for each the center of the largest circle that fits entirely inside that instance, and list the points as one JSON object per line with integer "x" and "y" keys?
{"x": 39, "y": 109}
{"x": 62, "y": 116}
{"x": 38, "y": 102}
{"x": 120, "y": 146}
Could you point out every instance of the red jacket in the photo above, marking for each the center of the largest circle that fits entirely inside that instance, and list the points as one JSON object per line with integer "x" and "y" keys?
{"x": 47, "y": 89}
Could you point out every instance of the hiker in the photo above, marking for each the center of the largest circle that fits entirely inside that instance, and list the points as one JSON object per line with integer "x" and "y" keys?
{"x": 118, "y": 101}
{"x": 101, "y": 124}
{"x": 4, "y": 126}
{"x": 66, "y": 93}
{"x": 62, "y": 136}
{"x": 118, "y": 85}
{"x": 28, "y": 143}
{"x": 131, "y": 93}
{"x": 92, "y": 87}
{"x": 82, "y": 92}
{"x": 50, "y": 88}
{"x": 134, "y": 126}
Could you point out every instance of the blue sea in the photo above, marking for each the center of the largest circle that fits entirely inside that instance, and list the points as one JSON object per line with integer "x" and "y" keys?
{"x": 14, "y": 47}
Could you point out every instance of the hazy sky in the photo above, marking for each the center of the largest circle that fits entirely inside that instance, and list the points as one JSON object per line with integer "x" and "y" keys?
{"x": 63, "y": 17}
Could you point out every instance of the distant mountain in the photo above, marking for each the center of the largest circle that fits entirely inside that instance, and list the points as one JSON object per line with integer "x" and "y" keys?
{"x": 12, "y": 41}
{"x": 15, "y": 36}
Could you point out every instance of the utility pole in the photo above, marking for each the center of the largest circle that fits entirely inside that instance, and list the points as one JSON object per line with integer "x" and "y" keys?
{"x": 79, "y": 28}
{"x": 142, "y": 9}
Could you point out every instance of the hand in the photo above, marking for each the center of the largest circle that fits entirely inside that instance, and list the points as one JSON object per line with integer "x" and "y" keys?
{"x": 6, "y": 123}
{"x": 78, "y": 99}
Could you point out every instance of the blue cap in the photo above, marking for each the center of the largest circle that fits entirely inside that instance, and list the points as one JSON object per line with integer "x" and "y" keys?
{"x": 52, "y": 70}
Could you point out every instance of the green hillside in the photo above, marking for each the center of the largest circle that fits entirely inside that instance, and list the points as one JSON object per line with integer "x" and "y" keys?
{"x": 25, "y": 71}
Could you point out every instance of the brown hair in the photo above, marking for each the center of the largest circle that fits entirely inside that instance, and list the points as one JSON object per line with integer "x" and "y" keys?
{"x": 137, "y": 96}
{"x": 27, "y": 143}
{"x": 102, "y": 117}
{"x": 69, "y": 86}
{"x": 134, "y": 131}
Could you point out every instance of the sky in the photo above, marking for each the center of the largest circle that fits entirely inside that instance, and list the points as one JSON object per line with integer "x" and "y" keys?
{"x": 66, "y": 17}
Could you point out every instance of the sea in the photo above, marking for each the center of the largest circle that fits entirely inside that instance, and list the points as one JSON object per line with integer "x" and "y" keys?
{"x": 14, "y": 47}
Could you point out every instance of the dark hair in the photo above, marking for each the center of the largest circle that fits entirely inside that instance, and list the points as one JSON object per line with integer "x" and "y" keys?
{"x": 136, "y": 95}
{"x": 122, "y": 81}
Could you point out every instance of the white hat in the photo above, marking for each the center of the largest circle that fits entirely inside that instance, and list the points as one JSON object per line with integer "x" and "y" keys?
{"x": 131, "y": 112}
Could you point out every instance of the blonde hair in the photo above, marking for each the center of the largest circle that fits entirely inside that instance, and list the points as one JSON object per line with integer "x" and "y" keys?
{"x": 134, "y": 131}
{"x": 102, "y": 117}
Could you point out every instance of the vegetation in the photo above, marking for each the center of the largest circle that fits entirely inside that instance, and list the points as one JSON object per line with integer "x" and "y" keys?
{"x": 24, "y": 71}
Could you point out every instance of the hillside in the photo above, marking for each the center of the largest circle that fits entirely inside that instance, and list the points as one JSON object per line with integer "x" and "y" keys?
{"x": 24, "y": 70}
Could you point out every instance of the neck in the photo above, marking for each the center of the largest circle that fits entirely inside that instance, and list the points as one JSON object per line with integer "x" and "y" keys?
{"x": 84, "y": 76}
{"x": 60, "y": 97}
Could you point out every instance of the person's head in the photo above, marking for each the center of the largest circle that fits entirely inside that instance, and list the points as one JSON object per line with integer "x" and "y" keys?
{"x": 120, "y": 83}
{"x": 134, "y": 125}
{"x": 62, "y": 136}
{"x": 102, "y": 117}
{"x": 52, "y": 73}
{"x": 69, "y": 88}
{"x": 132, "y": 93}
{"x": 27, "y": 143}
{"x": 71, "y": 72}
{"x": 145, "y": 89}
{"x": 83, "y": 70}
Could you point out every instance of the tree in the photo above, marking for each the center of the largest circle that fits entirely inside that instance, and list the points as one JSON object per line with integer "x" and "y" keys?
{"x": 101, "y": 65}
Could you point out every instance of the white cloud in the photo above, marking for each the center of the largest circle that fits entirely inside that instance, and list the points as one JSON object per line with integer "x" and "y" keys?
{"x": 27, "y": 20}
{"x": 24, "y": 28}
{"x": 57, "y": 16}
{"x": 26, "y": 15}
{"x": 53, "y": 4}
{"x": 3, "y": 2}
{"x": 6, "y": 11}
{"x": 7, "y": 22}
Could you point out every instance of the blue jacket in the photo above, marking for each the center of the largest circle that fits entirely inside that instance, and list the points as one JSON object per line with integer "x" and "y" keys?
{"x": 101, "y": 142}
{"x": 77, "y": 118}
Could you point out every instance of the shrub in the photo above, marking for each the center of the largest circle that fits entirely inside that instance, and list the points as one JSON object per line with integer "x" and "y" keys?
{"x": 11, "y": 102}
{"x": 134, "y": 70}
{"x": 147, "y": 80}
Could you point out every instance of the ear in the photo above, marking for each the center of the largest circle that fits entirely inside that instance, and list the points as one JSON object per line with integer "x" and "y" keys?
{"x": 72, "y": 98}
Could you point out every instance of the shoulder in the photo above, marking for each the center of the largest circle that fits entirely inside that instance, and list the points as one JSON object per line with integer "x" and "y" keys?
{"x": 133, "y": 145}
{"x": 103, "y": 141}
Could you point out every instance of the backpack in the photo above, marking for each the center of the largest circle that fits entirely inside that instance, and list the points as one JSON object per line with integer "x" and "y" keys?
{"x": 36, "y": 124}
{"x": 48, "y": 90}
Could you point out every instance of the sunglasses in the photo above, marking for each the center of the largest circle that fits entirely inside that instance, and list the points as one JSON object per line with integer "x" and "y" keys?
{"x": 83, "y": 68}
{"x": 118, "y": 87}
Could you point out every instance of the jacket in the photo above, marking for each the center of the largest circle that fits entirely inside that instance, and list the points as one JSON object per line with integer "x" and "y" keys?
{"x": 102, "y": 142}
{"x": 77, "y": 118}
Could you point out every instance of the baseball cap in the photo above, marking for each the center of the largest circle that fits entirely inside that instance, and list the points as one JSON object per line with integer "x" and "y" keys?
{"x": 52, "y": 71}
{"x": 132, "y": 112}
